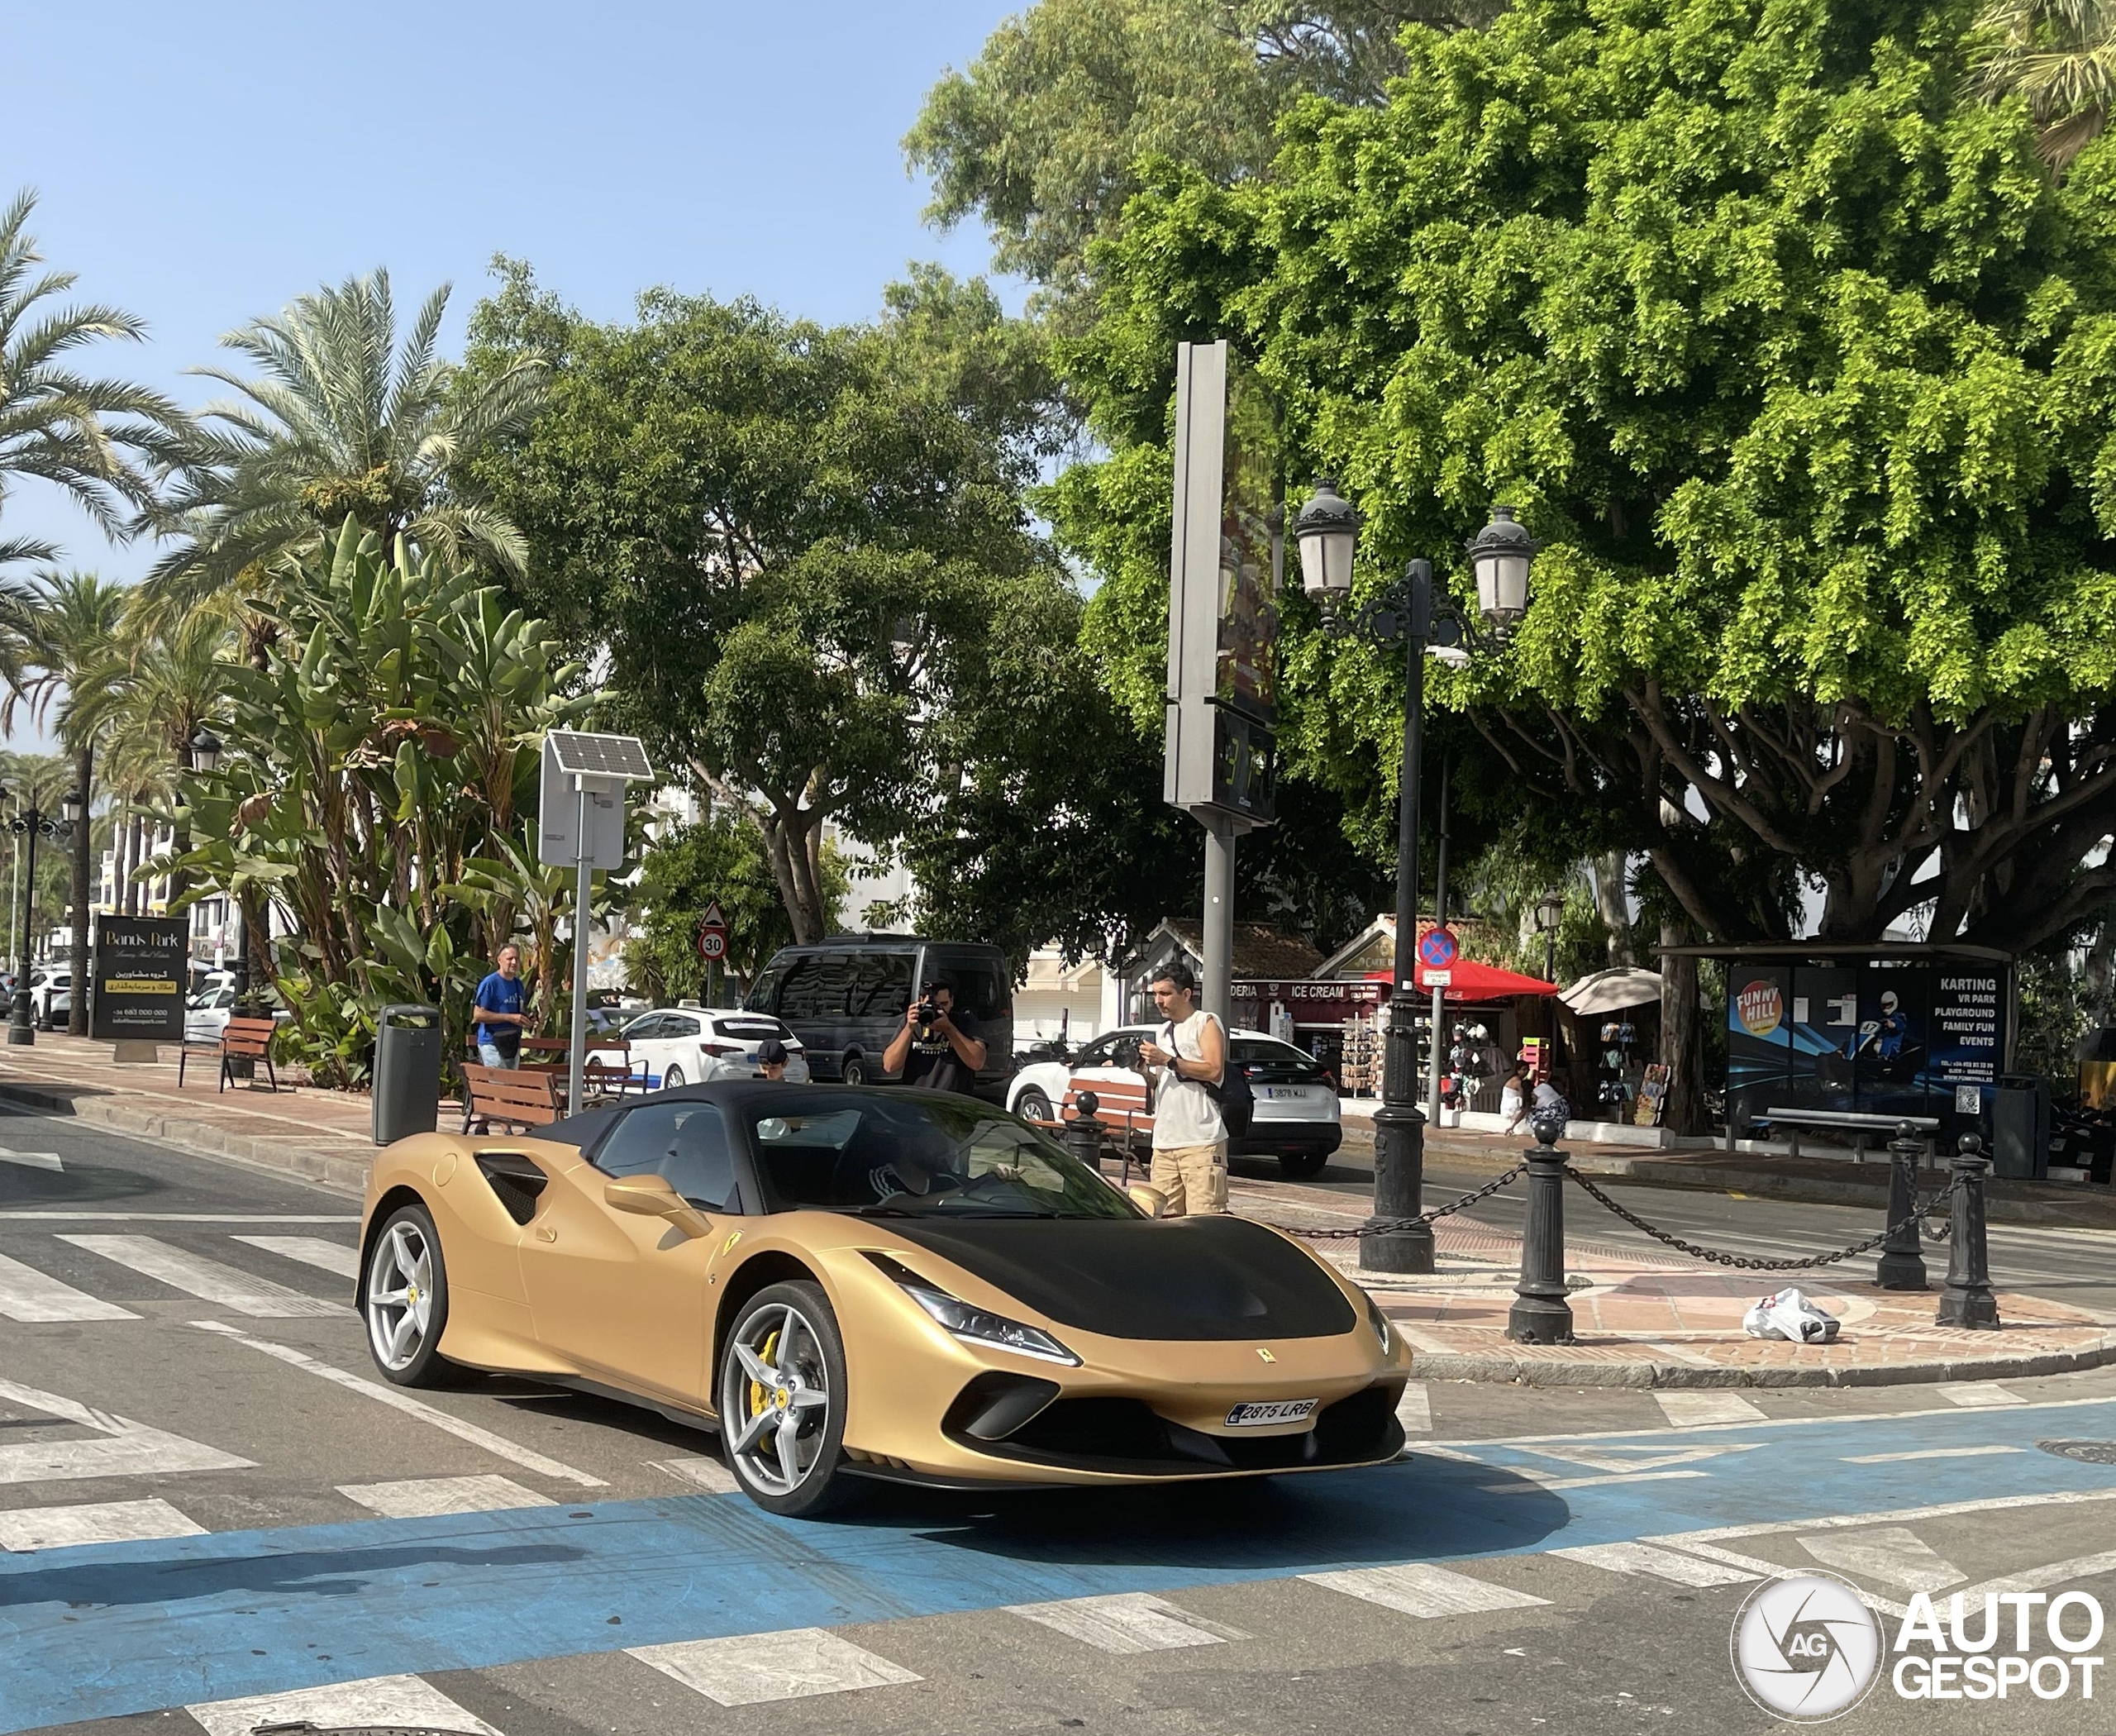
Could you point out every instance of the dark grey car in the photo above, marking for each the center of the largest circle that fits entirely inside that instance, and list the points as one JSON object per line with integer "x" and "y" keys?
{"x": 845, "y": 999}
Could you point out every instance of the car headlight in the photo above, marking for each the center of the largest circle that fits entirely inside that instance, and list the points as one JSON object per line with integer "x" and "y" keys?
{"x": 1379, "y": 1322}
{"x": 975, "y": 1326}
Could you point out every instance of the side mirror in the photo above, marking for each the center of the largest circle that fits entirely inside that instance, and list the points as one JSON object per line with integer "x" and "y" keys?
{"x": 651, "y": 1196}
{"x": 1148, "y": 1200}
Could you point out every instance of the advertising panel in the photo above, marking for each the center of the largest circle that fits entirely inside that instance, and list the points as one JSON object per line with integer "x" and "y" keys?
{"x": 141, "y": 971}
{"x": 1758, "y": 1039}
{"x": 1968, "y": 1032}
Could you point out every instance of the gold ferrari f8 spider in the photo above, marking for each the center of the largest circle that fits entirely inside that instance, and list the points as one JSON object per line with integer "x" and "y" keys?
{"x": 852, "y": 1283}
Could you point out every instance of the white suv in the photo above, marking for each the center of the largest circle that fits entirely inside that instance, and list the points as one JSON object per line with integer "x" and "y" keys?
{"x": 1296, "y": 1117}
{"x": 51, "y": 993}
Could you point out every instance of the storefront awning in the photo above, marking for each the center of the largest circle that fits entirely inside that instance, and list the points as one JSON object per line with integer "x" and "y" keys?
{"x": 1469, "y": 981}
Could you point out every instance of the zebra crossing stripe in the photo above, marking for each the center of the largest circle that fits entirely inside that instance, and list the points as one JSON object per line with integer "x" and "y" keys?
{"x": 26, "y": 1529}
{"x": 31, "y": 1296}
{"x": 1414, "y": 1409}
{"x": 1977, "y": 1394}
{"x": 1420, "y": 1589}
{"x": 709, "y": 1474}
{"x": 400, "y": 1702}
{"x": 121, "y": 1447}
{"x": 310, "y": 1251}
{"x": 33, "y": 1159}
{"x": 224, "y": 1286}
{"x": 1126, "y": 1622}
{"x": 1689, "y": 1409}
{"x": 497, "y": 1444}
{"x": 753, "y": 1669}
{"x": 424, "y": 1497}
{"x": 1893, "y": 1554}
{"x": 1679, "y": 1570}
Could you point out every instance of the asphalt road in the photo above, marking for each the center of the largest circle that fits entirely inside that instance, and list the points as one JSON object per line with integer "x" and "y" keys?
{"x": 180, "y": 1366}
{"x": 2074, "y": 1265}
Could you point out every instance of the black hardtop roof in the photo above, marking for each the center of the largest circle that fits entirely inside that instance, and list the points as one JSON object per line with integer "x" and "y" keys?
{"x": 582, "y": 1130}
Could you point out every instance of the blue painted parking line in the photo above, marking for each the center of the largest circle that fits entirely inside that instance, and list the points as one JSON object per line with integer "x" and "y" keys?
{"x": 104, "y": 1630}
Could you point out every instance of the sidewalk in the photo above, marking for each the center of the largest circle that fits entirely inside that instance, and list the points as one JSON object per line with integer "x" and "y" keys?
{"x": 319, "y": 1136}
{"x": 1643, "y": 1321}
{"x": 1816, "y": 1180}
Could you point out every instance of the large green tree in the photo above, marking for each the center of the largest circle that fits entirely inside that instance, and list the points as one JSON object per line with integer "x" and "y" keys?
{"x": 1040, "y": 135}
{"x": 807, "y": 554}
{"x": 1790, "y": 351}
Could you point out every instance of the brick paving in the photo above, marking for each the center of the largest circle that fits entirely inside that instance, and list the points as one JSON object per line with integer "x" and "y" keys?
{"x": 1646, "y": 1320}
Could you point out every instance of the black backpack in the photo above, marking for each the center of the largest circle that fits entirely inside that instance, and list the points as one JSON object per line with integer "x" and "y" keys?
{"x": 1237, "y": 1102}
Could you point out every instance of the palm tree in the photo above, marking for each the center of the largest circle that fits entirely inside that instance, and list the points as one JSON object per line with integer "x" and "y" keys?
{"x": 339, "y": 421}
{"x": 67, "y": 630}
{"x": 2061, "y": 57}
{"x": 91, "y": 438}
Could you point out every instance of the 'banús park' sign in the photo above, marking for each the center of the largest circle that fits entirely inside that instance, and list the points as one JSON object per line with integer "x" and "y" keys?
{"x": 142, "y": 966}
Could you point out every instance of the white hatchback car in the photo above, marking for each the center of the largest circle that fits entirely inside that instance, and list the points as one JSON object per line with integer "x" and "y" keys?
{"x": 690, "y": 1045}
{"x": 1296, "y": 1120}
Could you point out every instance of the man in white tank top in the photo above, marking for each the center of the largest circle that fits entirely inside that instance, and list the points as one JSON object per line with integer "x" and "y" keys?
{"x": 1189, "y": 1137}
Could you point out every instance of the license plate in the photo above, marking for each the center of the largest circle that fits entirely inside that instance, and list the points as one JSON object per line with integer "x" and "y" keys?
{"x": 1285, "y": 1094}
{"x": 1272, "y": 1413}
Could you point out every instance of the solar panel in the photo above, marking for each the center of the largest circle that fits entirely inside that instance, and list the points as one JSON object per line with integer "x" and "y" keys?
{"x": 603, "y": 757}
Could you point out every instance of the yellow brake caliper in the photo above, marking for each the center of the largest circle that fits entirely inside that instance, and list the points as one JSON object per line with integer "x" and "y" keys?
{"x": 768, "y": 1357}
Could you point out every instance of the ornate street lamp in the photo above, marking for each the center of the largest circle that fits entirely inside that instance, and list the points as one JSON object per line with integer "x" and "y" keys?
{"x": 1408, "y": 614}
{"x": 32, "y": 823}
{"x": 1549, "y": 918}
{"x": 205, "y": 750}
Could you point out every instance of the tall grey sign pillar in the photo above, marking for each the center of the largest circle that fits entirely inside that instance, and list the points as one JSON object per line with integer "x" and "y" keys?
{"x": 1225, "y": 559}
{"x": 581, "y": 825}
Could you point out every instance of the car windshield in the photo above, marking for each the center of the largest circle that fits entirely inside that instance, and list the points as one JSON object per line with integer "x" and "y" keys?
{"x": 918, "y": 1154}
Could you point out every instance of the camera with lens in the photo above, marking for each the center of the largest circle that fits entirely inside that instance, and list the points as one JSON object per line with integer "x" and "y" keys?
{"x": 929, "y": 1007}
{"x": 1125, "y": 1053}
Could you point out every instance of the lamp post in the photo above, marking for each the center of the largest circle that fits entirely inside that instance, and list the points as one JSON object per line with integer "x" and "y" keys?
{"x": 202, "y": 753}
{"x": 1408, "y": 614}
{"x": 31, "y": 822}
{"x": 1549, "y": 918}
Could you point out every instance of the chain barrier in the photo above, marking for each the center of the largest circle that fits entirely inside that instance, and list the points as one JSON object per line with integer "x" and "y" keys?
{"x": 1750, "y": 1263}
{"x": 1397, "y": 1226}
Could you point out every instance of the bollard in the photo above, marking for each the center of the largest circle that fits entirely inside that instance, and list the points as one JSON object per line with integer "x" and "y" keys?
{"x": 1084, "y": 1134}
{"x": 1967, "y": 1300}
{"x": 1902, "y": 1263}
{"x": 1541, "y": 1314}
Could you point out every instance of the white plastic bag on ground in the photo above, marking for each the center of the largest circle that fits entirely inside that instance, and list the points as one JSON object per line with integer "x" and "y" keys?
{"x": 1789, "y": 1315}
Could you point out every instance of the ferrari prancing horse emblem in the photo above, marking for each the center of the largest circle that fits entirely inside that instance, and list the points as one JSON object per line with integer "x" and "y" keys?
{"x": 1266, "y": 1354}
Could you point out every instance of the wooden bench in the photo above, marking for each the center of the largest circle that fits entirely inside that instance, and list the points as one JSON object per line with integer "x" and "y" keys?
{"x": 1120, "y": 1105}
{"x": 241, "y": 1039}
{"x": 521, "y": 1097}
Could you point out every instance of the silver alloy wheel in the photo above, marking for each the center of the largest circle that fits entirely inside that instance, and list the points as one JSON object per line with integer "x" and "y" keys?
{"x": 672, "y": 1078}
{"x": 399, "y": 1295}
{"x": 776, "y": 1393}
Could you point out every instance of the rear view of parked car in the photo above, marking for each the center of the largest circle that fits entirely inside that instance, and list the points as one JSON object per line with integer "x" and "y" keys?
{"x": 845, "y": 999}
{"x": 694, "y": 1045}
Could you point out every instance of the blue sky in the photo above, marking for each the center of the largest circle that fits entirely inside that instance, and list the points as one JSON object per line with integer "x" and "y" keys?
{"x": 199, "y": 165}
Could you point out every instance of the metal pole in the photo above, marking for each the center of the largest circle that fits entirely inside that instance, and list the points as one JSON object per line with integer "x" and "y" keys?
{"x": 1399, "y": 1128}
{"x": 1217, "y": 998}
{"x": 1902, "y": 1263}
{"x": 1967, "y": 1301}
{"x": 20, "y": 1030}
{"x": 1439, "y": 995}
{"x": 1541, "y": 1314}
{"x": 576, "y": 1052}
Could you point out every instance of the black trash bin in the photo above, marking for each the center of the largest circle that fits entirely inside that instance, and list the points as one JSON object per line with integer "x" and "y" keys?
{"x": 2020, "y": 1126}
{"x": 406, "y": 1096}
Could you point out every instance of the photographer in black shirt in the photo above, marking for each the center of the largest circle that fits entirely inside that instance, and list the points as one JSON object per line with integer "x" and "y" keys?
{"x": 938, "y": 1047}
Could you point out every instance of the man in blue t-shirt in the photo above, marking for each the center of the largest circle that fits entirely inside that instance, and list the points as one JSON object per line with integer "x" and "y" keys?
{"x": 500, "y": 1017}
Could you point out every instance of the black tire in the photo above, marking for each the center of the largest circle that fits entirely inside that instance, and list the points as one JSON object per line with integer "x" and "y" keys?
{"x": 384, "y": 1305}
{"x": 1300, "y": 1166}
{"x": 1032, "y": 1106}
{"x": 853, "y": 1070}
{"x": 671, "y": 1078}
{"x": 820, "y": 1483}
